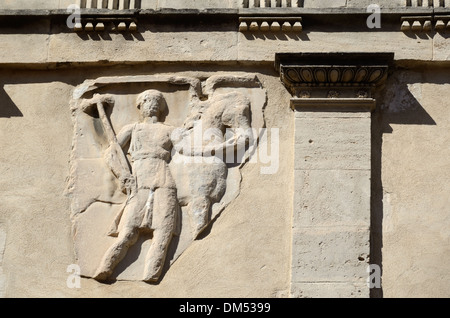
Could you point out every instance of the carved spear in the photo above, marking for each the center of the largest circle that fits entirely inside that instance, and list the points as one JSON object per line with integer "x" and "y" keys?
{"x": 98, "y": 101}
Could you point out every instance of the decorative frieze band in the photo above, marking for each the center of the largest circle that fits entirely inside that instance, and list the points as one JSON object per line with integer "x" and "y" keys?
{"x": 333, "y": 75}
{"x": 427, "y": 3}
{"x": 417, "y": 24}
{"x": 272, "y": 3}
{"x": 110, "y": 4}
{"x": 97, "y": 24}
{"x": 301, "y": 3}
{"x": 270, "y": 24}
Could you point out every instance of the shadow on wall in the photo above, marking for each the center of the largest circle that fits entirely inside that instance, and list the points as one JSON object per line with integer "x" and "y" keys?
{"x": 425, "y": 36}
{"x": 7, "y": 107}
{"x": 398, "y": 103}
{"x": 105, "y": 36}
{"x": 400, "y": 100}
{"x": 158, "y": 25}
{"x": 277, "y": 36}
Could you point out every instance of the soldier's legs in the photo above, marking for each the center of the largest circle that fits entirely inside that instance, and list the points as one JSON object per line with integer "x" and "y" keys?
{"x": 128, "y": 235}
{"x": 156, "y": 255}
{"x": 164, "y": 220}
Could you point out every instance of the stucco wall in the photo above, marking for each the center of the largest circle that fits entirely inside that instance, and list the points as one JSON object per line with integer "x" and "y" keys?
{"x": 247, "y": 250}
{"x": 245, "y": 254}
{"x": 415, "y": 179}
{"x": 410, "y": 211}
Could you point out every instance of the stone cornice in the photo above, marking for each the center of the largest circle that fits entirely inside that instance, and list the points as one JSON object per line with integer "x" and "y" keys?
{"x": 407, "y": 19}
{"x": 331, "y": 73}
{"x": 401, "y": 11}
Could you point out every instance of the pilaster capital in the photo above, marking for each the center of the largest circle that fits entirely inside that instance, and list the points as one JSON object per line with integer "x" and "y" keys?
{"x": 333, "y": 75}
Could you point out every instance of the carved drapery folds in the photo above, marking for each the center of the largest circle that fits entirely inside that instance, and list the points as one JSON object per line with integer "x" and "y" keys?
{"x": 155, "y": 159}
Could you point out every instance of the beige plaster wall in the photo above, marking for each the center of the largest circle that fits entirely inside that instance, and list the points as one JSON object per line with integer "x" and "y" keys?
{"x": 245, "y": 254}
{"x": 415, "y": 176}
{"x": 247, "y": 250}
{"x": 55, "y": 43}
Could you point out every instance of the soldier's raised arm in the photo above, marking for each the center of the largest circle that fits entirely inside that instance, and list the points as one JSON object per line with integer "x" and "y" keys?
{"x": 113, "y": 155}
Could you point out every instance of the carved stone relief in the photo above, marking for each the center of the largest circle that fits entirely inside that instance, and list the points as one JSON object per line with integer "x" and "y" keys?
{"x": 155, "y": 159}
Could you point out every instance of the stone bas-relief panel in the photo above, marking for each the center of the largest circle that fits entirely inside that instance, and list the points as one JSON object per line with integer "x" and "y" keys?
{"x": 155, "y": 159}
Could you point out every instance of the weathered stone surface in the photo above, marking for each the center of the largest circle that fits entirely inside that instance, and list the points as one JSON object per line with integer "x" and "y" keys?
{"x": 259, "y": 48}
{"x": 381, "y": 3}
{"x": 197, "y": 4}
{"x": 332, "y": 198}
{"x": 33, "y": 4}
{"x": 31, "y": 177}
{"x": 330, "y": 290}
{"x": 330, "y": 254}
{"x": 415, "y": 180}
{"x": 332, "y": 143}
{"x": 331, "y": 114}
{"x": 441, "y": 47}
{"x": 24, "y": 48}
{"x": 166, "y": 45}
{"x": 331, "y": 218}
{"x": 325, "y": 4}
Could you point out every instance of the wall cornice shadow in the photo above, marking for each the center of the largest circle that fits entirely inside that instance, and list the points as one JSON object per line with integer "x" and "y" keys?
{"x": 397, "y": 104}
{"x": 7, "y": 107}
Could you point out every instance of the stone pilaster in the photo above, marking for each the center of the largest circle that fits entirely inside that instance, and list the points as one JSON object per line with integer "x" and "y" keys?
{"x": 331, "y": 219}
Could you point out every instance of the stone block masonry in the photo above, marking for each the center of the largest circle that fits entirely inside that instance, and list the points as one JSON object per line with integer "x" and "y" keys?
{"x": 332, "y": 169}
{"x": 331, "y": 217}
